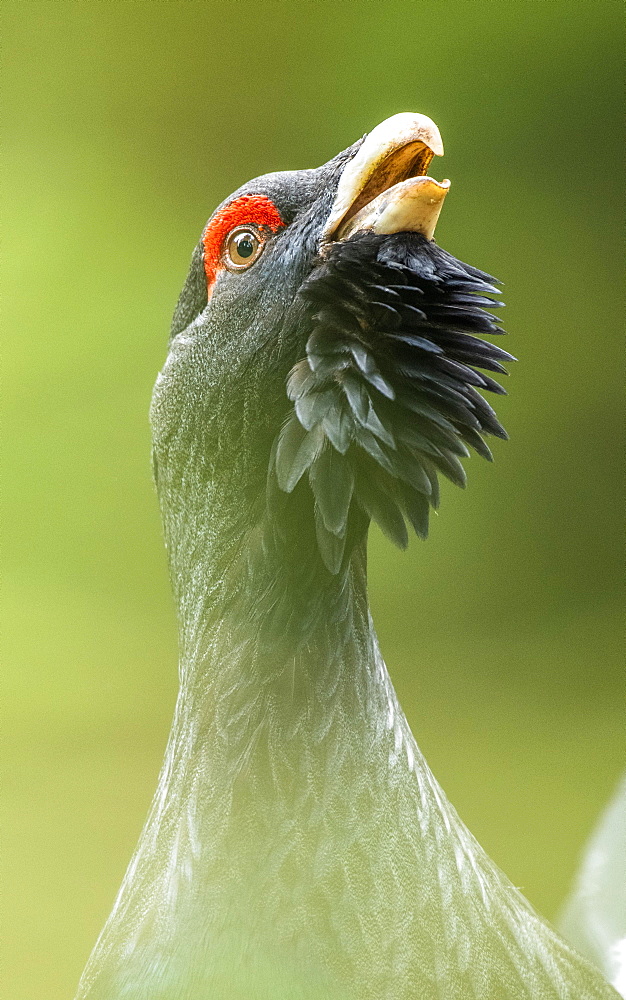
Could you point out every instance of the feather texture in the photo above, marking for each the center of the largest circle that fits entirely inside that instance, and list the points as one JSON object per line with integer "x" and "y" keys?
{"x": 386, "y": 397}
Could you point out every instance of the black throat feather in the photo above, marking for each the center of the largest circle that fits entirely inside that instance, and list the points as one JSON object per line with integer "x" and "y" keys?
{"x": 387, "y": 395}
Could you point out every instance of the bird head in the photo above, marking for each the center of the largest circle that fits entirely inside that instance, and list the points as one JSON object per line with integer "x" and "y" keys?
{"x": 322, "y": 367}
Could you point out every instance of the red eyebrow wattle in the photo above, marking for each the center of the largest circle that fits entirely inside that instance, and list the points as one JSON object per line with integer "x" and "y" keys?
{"x": 248, "y": 210}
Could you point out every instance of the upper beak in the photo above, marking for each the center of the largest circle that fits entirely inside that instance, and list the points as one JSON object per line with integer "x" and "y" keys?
{"x": 383, "y": 188}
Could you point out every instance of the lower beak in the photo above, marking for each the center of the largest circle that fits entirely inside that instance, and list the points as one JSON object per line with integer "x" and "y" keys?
{"x": 383, "y": 189}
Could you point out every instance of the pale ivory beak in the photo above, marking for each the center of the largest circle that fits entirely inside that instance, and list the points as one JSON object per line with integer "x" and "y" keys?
{"x": 383, "y": 189}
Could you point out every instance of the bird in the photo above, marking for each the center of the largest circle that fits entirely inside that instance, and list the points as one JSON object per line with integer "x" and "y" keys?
{"x": 326, "y": 365}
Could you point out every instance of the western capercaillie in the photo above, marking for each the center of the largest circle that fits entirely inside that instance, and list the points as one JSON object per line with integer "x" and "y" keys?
{"x": 326, "y": 365}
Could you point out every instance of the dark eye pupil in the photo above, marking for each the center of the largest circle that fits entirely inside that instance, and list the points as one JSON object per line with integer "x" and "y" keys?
{"x": 245, "y": 246}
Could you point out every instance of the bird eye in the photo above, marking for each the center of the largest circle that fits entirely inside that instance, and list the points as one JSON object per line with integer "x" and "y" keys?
{"x": 242, "y": 247}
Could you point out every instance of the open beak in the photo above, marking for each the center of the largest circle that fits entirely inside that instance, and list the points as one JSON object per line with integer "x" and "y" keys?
{"x": 384, "y": 187}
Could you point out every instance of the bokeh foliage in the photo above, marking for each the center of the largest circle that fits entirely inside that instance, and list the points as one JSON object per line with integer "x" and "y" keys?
{"x": 125, "y": 123}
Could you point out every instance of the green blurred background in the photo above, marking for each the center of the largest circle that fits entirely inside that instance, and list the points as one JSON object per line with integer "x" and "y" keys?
{"x": 125, "y": 124}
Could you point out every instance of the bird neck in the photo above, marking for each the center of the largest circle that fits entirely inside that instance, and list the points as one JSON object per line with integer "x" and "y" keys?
{"x": 278, "y": 688}
{"x": 284, "y": 704}
{"x": 273, "y": 646}
{"x": 298, "y": 844}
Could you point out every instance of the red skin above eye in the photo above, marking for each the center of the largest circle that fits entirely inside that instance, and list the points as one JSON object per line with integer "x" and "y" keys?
{"x": 249, "y": 210}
